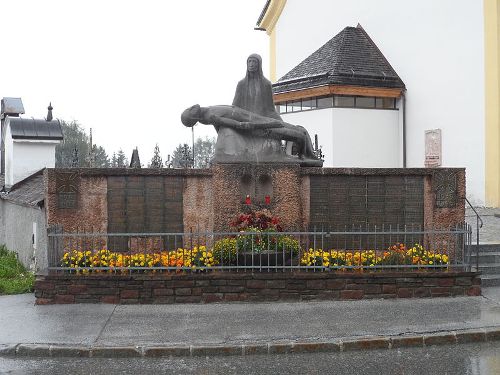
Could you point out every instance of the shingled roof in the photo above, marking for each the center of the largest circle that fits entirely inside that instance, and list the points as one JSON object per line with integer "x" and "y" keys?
{"x": 28, "y": 192}
{"x": 349, "y": 58}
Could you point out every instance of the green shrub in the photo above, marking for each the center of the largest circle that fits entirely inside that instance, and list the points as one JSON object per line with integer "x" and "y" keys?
{"x": 14, "y": 278}
{"x": 3, "y": 250}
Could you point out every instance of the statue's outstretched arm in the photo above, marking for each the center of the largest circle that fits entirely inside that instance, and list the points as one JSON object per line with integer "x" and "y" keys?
{"x": 224, "y": 121}
{"x": 242, "y": 125}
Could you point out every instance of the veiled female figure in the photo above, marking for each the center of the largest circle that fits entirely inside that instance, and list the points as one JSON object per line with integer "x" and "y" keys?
{"x": 254, "y": 92}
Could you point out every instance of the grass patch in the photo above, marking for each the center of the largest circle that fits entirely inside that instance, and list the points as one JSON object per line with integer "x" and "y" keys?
{"x": 14, "y": 278}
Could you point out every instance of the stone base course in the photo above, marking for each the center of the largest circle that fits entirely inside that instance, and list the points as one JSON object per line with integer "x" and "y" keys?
{"x": 169, "y": 288}
{"x": 316, "y": 346}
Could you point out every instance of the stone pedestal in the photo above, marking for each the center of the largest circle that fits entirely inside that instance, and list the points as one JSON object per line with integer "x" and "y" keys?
{"x": 236, "y": 184}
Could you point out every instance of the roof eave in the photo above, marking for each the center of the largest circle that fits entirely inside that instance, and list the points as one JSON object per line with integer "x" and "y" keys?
{"x": 270, "y": 15}
{"x": 38, "y": 138}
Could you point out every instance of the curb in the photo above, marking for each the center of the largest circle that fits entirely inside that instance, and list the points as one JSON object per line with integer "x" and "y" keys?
{"x": 279, "y": 347}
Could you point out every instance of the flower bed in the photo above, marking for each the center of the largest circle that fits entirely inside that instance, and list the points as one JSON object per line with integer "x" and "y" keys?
{"x": 397, "y": 254}
{"x": 257, "y": 241}
{"x": 224, "y": 253}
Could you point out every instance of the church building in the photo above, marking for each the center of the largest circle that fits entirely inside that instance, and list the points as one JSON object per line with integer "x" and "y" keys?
{"x": 385, "y": 84}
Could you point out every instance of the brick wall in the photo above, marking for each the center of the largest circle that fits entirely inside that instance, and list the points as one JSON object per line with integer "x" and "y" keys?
{"x": 250, "y": 287}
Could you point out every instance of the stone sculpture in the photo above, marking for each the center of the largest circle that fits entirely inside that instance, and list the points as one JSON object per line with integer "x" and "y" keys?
{"x": 251, "y": 130}
{"x": 254, "y": 92}
{"x": 245, "y": 135}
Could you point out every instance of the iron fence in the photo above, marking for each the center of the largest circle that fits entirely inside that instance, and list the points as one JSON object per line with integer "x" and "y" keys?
{"x": 355, "y": 248}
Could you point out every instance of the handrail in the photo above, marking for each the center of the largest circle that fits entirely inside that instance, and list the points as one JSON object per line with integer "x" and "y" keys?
{"x": 479, "y": 224}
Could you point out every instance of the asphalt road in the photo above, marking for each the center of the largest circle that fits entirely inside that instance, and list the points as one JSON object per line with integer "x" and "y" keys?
{"x": 468, "y": 359}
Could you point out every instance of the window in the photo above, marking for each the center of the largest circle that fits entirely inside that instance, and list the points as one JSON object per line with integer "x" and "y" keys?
{"x": 335, "y": 101}
{"x": 386, "y": 103}
{"x": 325, "y": 102}
{"x": 365, "y": 102}
{"x": 343, "y": 101}
{"x": 308, "y": 104}
{"x": 293, "y": 106}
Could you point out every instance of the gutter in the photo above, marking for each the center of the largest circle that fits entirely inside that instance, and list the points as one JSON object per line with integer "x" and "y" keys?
{"x": 403, "y": 98}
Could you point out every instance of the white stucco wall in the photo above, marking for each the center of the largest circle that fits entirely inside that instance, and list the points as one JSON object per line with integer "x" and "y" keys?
{"x": 316, "y": 122}
{"x": 25, "y": 157}
{"x": 17, "y": 230}
{"x": 437, "y": 49}
{"x": 354, "y": 137}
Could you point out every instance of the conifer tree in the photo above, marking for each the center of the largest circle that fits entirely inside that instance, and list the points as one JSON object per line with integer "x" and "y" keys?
{"x": 156, "y": 161}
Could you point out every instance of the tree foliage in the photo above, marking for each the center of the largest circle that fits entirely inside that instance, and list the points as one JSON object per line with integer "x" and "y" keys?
{"x": 75, "y": 138}
{"x": 119, "y": 160}
{"x": 204, "y": 149}
{"x": 182, "y": 157}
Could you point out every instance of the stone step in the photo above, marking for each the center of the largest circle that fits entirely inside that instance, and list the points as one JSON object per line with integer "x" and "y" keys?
{"x": 490, "y": 269}
{"x": 490, "y": 280}
{"x": 486, "y": 257}
{"x": 486, "y": 248}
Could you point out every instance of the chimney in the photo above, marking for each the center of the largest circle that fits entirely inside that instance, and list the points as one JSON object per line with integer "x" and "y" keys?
{"x": 12, "y": 107}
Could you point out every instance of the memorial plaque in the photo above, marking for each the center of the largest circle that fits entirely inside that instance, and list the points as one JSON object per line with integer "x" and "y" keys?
{"x": 144, "y": 204}
{"x": 446, "y": 189}
{"x": 67, "y": 188}
{"x": 373, "y": 203}
{"x": 433, "y": 148}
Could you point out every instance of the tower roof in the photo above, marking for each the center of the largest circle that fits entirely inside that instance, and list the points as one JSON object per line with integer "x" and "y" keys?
{"x": 349, "y": 58}
{"x": 24, "y": 128}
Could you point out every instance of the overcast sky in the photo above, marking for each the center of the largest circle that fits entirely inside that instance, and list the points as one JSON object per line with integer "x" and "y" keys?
{"x": 127, "y": 69}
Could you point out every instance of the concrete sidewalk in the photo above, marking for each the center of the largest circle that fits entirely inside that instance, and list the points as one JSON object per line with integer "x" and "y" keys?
{"x": 243, "y": 328}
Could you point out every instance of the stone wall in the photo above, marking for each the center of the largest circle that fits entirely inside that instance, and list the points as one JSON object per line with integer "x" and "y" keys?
{"x": 251, "y": 287}
{"x": 198, "y": 204}
{"x": 281, "y": 183}
{"x": 80, "y": 199}
{"x": 75, "y": 201}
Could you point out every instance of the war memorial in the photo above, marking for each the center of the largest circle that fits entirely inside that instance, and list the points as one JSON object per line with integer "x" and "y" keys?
{"x": 265, "y": 223}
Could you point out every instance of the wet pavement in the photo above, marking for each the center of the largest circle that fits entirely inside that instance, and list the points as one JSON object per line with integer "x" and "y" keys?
{"x": 104, "y": 325}
{"x": 471, "y": 359}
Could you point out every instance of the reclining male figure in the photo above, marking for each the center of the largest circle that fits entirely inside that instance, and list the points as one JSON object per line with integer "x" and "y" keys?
{"x": 240, "y": 119}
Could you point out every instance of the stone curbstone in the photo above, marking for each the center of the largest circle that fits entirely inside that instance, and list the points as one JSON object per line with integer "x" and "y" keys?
{"x": 7, "y": 350}
{"x": 407, "y": 341}
{"x": 336, "y": 345}
{"x": 167, "y": 351}
{"x": 492, "y": 334}
{"x": 69, "y": 351}
{"x": 471, "y": 336}
{"x": 211, "y": 350}
{"x": 33, "y": 350}
{"x": 280, "y": 348}
{"x": 366, "y": 343}
{"x": 116, "y": 352}
{"x": 252, "y": 349}
{"x": 440, "y": 339}
{"x": 316, "y": 347}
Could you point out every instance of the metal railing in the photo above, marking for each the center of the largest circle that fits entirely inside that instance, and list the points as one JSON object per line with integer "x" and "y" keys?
{"x": 479, "y": 225}
{"x": 355, "y": 248}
